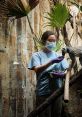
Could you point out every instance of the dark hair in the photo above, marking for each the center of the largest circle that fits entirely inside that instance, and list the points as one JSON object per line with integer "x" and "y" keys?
{"x": 45, "y": 36}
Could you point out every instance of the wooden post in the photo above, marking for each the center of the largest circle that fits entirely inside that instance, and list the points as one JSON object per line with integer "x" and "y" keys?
{"x": 66, "y": 87}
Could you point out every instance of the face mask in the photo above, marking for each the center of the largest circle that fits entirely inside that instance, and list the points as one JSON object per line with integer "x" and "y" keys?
{"x": 50, "y": 45}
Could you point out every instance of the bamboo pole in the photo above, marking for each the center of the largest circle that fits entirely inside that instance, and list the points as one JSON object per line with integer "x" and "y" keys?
{"x": 66, "y": 87}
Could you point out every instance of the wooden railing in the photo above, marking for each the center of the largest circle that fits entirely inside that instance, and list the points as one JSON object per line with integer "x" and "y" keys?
{"x": 54, "y": 96}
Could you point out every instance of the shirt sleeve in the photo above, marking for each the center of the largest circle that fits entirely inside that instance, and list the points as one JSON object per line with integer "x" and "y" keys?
{"x": 34, "y": 61}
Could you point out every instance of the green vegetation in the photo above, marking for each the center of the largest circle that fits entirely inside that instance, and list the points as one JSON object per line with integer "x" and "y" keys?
{"x": 58, "y": 16}
{"x": 59, "y": 45}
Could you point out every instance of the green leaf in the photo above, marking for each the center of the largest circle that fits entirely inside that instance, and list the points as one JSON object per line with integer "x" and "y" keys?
{"x": 58, "y": 16}
{"x": 59, "y": 45}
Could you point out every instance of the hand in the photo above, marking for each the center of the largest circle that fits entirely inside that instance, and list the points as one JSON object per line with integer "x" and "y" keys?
{"x": 57, "y": 74}
{"x": 57, "y": 60}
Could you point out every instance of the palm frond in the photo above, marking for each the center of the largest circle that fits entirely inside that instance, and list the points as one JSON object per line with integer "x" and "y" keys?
{"x": 16, "y": 8}
{"x": 58, "y": 16}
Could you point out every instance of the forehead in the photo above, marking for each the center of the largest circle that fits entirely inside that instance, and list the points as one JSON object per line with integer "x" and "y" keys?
{"x": 52, "y": 38}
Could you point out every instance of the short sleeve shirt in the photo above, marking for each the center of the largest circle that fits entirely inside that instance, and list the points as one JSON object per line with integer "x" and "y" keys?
{"x": 40, "y": 58}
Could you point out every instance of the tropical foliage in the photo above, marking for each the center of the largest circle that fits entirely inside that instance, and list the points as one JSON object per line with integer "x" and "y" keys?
{"x": 59, "y": 45}
{"x": 58, "y": 16}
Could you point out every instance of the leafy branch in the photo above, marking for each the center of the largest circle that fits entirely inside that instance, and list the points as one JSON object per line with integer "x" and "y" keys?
{"x": 58, "y": 16}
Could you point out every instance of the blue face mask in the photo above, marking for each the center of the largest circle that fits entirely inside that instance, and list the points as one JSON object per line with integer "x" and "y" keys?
{"x": 50, "y": 45}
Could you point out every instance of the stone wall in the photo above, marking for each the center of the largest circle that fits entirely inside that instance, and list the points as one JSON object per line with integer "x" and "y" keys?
{"x": 17, "y": 83}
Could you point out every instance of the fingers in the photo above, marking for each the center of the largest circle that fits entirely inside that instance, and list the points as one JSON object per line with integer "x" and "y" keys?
{"x": 60, "y": 58}
{"x": 57, "y": 60}
{"x": 58, "y": 74}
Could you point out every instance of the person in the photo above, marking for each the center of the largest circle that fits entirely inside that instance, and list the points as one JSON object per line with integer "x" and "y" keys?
{"x": 44, "y": 62}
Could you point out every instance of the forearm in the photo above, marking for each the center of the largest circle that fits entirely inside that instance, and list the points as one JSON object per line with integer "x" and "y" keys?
{"x": 42, "y": 67}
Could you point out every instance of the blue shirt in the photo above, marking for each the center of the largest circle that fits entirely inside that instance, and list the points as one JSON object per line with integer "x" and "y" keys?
{"x": 40, "y": 58}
